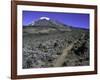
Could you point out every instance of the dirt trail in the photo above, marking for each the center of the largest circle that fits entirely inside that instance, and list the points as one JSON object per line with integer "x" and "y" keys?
{"x": 65, "y": 52}
{"x": 61, "y": 59}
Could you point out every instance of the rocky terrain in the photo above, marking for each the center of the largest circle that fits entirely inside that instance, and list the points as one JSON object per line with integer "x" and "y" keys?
{"x": 49, "y": 43}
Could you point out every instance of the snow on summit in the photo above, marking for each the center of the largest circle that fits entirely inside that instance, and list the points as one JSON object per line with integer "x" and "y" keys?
{"x": 45, "y": 18}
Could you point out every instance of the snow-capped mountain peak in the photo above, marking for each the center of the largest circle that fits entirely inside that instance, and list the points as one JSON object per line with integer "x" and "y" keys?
{"x": 48, "y": 23}
{"x": 46, "y": 18}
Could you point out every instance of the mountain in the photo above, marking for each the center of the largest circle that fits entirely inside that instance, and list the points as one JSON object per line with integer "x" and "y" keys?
{"x": 46, "y": 25}
{"x": 43, "y": 22}
{"x": 47, "y": 22}
{"x": 50, "y": 43}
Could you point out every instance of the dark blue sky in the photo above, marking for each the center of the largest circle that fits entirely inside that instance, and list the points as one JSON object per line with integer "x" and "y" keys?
{"x": 73, "y": 19}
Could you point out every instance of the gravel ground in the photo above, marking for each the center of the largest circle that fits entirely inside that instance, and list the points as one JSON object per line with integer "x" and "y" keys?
{"x": 45, "y": 50}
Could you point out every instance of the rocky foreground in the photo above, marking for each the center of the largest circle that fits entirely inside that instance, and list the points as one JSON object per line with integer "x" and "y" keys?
{"x": 56, "y": 49}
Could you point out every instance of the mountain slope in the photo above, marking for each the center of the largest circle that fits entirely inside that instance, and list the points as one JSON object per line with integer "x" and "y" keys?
{"x": 45, "y": 25}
